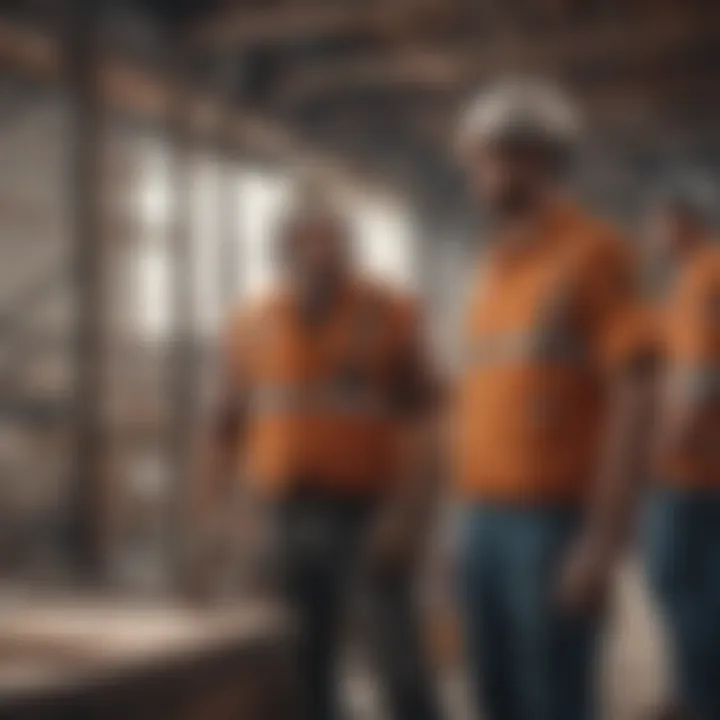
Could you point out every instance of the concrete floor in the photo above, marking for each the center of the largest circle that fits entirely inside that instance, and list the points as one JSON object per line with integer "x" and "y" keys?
{"x": 634, "y": 663}
{"x": 634, "y": 666}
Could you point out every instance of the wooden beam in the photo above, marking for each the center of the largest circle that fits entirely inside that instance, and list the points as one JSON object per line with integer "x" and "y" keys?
{"x": 239, "y": 26}
{"x": 647, "y": 112}
{"x": 88, "y": 488}
{"x": 122, "y": 85}
{"x": 417, "y": 68}
{"x": 149, "y": 95}
{"x": 462, "y": 65}
{"x": 242, "y": 27}
{"x": 31, "y": 52}
{"x": 184, "y": 378}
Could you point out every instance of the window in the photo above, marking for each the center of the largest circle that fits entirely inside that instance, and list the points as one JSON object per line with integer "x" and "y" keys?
{"x": 260, "y": 202}
{"x": 386, "y": 241}
{"x": 384, "y": 231}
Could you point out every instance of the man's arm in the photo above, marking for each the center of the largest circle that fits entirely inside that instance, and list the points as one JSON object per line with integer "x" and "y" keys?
{"x": 406, "y": 519}
{"x": 626, "y": 348}
{"x": 624, "y": 471}
{"x": 614, "y": 503}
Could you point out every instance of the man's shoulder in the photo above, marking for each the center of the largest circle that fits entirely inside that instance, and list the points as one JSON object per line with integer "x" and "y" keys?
{"x": 390, "y": 299}
{"x": 601, "y": 244}
{"x": 599, "y": 233}
{"x": 707, "y": 257}
{"x": 248, "y": 313}
{"x": 703, "y": 268}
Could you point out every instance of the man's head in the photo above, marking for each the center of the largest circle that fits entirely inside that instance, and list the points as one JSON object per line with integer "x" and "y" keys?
{"x": 314, "y": 243}
{"x": 516, "y": 141}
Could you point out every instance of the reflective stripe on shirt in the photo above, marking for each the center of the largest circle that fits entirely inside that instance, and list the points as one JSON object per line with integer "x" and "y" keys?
{"x": 320, "y": 398}
{"x": 544, "y": 346}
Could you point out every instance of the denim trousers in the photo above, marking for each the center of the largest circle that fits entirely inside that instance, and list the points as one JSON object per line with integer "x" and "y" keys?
{"x": 682, "y": 560}
{"x": 528, "y": 659}
{"x": 321, "y": 539}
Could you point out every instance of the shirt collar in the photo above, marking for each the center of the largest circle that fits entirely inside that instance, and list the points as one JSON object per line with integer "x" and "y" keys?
{"x": 546, "y": 229}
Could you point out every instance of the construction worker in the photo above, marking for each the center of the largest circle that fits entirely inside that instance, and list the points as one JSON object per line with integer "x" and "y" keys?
{"x": 326, "y": 394}
{"x": 683, "y": 520}
{"x": 549, "y": 413}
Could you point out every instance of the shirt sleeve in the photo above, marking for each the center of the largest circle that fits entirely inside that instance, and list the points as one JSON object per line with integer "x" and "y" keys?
{"x": 623, "y": 328}
{"x": 241, "y": 341}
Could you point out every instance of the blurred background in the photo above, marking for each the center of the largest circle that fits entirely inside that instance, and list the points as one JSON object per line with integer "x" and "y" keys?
{"x": 146, "y": 149}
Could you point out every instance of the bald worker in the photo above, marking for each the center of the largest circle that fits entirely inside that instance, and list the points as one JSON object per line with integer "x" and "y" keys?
{"x": 549, "y": 413}
{"x": 325, "y": 395}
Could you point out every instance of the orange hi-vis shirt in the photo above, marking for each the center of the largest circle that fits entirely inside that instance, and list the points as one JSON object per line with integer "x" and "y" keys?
{"x": 690, "y": 366}
{"x": 549, "y": 322}
{"x": 323, "y": 402}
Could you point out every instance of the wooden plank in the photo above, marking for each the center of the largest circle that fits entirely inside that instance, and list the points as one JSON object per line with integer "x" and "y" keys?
{"x": 90, "y": 658}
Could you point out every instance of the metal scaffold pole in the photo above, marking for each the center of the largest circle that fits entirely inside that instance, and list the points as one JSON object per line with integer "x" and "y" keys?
{"x": 229, "y": 255}
{"x": 183, "y": 376}
{"x": 86, "y": 499}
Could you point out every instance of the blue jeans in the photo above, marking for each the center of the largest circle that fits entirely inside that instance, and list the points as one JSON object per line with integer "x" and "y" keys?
{"x": 528, "y": 659}
{"x": 321, "y": 543}
{"x": 682, "y": 553}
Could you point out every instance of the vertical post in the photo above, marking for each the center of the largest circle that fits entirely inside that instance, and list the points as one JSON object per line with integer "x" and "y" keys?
{"x": 87, "y": 492}
{"x": 428, "y": 238}
{"x": 182, "y": 377}
{"x": 229, "y": 256}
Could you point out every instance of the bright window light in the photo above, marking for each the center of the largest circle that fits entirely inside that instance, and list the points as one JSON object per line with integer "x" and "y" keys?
{"x": 150, "y": 290}
{"x": 205, "y": 230}
{"x": 153, "y": 201}
{"x": 261, "y": 200}
{"x": 152, "y": 204}
{"x": 384, "y": 232}
{"x": 386, "y": 241}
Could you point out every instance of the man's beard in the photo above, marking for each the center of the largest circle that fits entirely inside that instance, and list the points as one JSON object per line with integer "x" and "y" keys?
{"x": 318, "y": 291}
{"x": 515, "y": 202}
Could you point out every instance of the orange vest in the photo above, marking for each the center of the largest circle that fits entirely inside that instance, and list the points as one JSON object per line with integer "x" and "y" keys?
{"x": 321, "y": 398}
{"x": 547, "y": 324}
{"x": 690, "y": 350}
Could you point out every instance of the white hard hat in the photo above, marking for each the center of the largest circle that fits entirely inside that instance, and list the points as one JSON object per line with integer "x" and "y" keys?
{"x": 520, "y": 109}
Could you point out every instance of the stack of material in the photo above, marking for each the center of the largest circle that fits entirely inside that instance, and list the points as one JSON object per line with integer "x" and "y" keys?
{"x": 104, "y": 660}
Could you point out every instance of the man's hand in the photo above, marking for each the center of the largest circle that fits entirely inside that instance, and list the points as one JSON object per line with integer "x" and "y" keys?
{"x": 585, "y": 576}
{"x": 678, "y": 424}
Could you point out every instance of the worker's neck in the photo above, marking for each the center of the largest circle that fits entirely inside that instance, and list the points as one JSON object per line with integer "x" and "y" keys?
{"x": 696, "y": 239}
{"x": 316, "y": 300}
{"x": 523, "y": 222}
